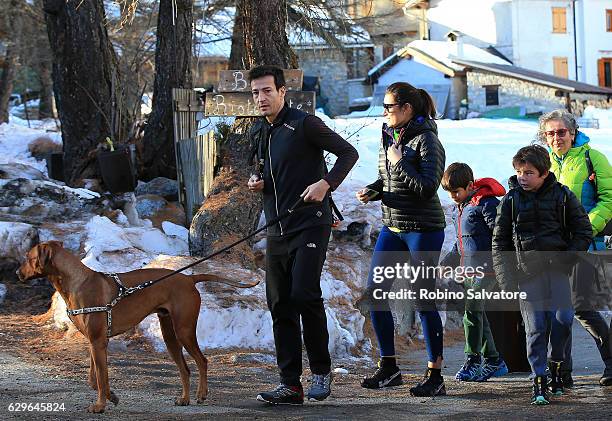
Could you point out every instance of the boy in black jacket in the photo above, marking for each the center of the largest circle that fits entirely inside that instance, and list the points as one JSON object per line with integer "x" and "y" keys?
{"x": 540, "y": 221}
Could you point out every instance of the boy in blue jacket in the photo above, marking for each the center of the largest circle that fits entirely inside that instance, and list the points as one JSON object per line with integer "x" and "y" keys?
{"x": 474, "y": 219}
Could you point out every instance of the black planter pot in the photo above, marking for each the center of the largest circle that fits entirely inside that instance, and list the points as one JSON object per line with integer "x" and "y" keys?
{"x": 118, "y": 170}
{"x": 55, "y": 165}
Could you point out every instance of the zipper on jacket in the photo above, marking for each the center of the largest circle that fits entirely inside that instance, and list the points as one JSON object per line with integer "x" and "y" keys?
{"x": 273, "y": 182}
{"x": 460, "y": 237}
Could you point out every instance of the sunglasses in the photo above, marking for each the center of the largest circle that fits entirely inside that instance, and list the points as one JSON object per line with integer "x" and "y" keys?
{"x": 389, "y": 106}
{"x": 560, "y": 133}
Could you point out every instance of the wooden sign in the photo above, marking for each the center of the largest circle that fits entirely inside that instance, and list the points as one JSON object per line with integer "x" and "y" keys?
{"x": 241, "y": 103}
{"x": 238, "y": 81}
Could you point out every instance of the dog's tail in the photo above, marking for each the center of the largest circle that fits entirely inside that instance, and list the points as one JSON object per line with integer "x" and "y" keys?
{"x": 214, "y": 278}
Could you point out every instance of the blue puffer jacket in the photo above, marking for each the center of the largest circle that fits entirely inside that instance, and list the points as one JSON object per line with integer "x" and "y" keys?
{"x": 474, "y": 220}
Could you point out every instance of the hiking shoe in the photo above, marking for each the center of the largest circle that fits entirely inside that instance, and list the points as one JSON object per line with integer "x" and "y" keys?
{"x": 540, "y": 391}
{"x": 385, "y": 376}
{"x": 283, "y": 395}
{"x": 429, "y": 386}
{"x": 492, "y": 367}
{"x": 471, "y": 369}
{"x": 320, "y": 386}
{"x": 556, "y": 381}
{"x": 606, "y": 378}
{"x": 568, "y": 381}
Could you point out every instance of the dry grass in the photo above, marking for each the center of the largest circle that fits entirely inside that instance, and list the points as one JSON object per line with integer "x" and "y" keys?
{"x": 42, "y": 146}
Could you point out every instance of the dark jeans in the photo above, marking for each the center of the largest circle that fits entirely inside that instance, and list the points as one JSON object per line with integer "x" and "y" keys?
{"x": 293, "y": 273}
{"x": 583, "y": 282}
{"x": 548, "y": 300}
{"x": 414, "y": 247}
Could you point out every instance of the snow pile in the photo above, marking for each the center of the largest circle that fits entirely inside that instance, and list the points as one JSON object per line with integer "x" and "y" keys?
{"x": 16, "y": 239}
{"x": 112, "y": 247}
{"x": 14, "y": 140}
{"x": 604, "y": 116}
{"x": 239, "y": 318}
{"x": 2, "y": 292}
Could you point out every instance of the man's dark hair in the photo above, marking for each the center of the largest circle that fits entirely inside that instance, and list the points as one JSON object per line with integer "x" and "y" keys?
{"x": 535, "y": 155}
{"x": 266, "y": 70}
{"x": 457, "y": 175}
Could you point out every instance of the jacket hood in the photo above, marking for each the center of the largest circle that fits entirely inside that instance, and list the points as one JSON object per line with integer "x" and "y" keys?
{"x": 486, "y": 187}
{"x": 415, "y": 127}
{"x": 580, "y": 140}
{"x": 548, "y": 182}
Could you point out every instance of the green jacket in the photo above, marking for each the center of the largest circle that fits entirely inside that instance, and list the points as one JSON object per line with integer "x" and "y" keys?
{"x": 572, "y": 171}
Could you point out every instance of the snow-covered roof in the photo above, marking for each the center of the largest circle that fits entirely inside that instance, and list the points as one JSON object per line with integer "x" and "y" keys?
{"x": 444, "y": 51}
{"x": 437, "y": 54}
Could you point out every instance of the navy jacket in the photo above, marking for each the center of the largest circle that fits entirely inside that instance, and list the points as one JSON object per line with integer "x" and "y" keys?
{"x": 474, "y": 220}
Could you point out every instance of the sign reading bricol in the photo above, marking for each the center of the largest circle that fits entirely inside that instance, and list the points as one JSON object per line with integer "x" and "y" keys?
{"x": 234, "y": 96}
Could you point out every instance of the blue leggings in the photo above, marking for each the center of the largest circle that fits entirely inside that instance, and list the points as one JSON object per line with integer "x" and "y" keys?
{"x": 421, "y": 247}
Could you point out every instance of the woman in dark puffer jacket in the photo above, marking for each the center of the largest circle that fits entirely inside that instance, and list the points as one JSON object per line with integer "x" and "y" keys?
{"x": 410, "y": 167}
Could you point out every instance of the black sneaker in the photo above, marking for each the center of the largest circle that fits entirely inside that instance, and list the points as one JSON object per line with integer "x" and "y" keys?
{"x": 385, "y": 376}
{"x": 429, "y": 386}
{"x": 283, "y": 395}
{"x": 556, "y": 381}
{"x": 568, "y": 381}
{"x": 540, "y": 391}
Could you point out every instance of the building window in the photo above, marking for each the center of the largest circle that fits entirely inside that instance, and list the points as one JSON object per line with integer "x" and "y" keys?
{"x": 358, "y": 62}
{"x": 605, "y": 72}
{"x": 492, "y": 94}
{"x": 559, "y": 20}
{"x": 358, "y": 8}
{"x": 609, "y": 20}
{"x": 560, "y": 67}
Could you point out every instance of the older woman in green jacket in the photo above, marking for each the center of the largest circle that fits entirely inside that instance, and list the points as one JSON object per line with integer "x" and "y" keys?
{"x": 570, "y": 154}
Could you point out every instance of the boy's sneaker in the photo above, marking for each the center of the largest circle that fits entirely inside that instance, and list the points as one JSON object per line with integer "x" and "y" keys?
{"x": 556, "y": 381}
{"x": 283, "y": 395}
{"x": 320, "y": 386}
{"x": 606, "y": 377}
{"x": 385, "y": 376}
{"x": 492, "y": 367}
{"x": 429, "y": 386}
{"x": 540, "y": 391}
{"x": 568, "y": 381}
{"x": 471, "y": 369}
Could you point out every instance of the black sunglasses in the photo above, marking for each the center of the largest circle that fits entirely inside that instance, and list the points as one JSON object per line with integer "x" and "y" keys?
{"x": 389, "y": 106}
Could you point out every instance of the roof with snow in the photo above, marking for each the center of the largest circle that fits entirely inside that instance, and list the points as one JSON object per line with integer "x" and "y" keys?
{"x": 436, "y": 54}
{"x": 536, "y": 77}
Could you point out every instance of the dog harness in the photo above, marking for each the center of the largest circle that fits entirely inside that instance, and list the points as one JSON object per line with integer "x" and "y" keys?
{"x": 123, "y": 292}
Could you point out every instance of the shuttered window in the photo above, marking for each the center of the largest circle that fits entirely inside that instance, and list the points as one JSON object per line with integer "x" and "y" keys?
{"x": 560, "y": 67}
{"x": 559, "y": 20}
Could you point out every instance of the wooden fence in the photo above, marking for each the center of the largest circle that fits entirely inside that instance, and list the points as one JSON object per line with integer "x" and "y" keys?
{"x": 195, "y": 153}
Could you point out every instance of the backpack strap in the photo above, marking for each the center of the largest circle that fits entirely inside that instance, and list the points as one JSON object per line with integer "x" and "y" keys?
{"x": 591, "y": 168}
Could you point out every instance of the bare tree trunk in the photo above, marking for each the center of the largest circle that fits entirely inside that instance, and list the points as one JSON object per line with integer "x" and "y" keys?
{"x": 172, "y": 70}
{"x": 6, "y": 81}
{"x": 9, "y": 68}
{"x": 85, "y": 82}
{"x": 45, "y": 108}
{"x": 264, "y": 41}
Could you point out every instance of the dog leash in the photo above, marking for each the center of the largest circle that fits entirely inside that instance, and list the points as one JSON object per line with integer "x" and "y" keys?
{"x": 125, "y": 291}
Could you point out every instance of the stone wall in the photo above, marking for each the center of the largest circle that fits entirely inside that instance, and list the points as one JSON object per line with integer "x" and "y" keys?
{"x": 512, "y": 93}
{"x": 330, "y": 66}
{"x": 534, "y": 97}
{"x": 580, "y": 101}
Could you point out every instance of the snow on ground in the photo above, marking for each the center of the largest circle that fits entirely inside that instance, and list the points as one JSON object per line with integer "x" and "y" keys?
{"x": 604, "y": 116}
{"x": 2, "y": 292}
{"x": 14, "y": 140}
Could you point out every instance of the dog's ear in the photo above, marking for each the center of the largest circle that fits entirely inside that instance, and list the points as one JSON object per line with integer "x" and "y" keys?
{"x": 45, "y": 252}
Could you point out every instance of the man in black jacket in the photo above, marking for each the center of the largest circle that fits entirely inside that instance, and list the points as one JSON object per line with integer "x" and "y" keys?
{"x": 290, "y": 146}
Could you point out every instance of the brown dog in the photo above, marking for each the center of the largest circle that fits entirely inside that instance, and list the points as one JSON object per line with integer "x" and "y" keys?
{"x": 175, "y": 300}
